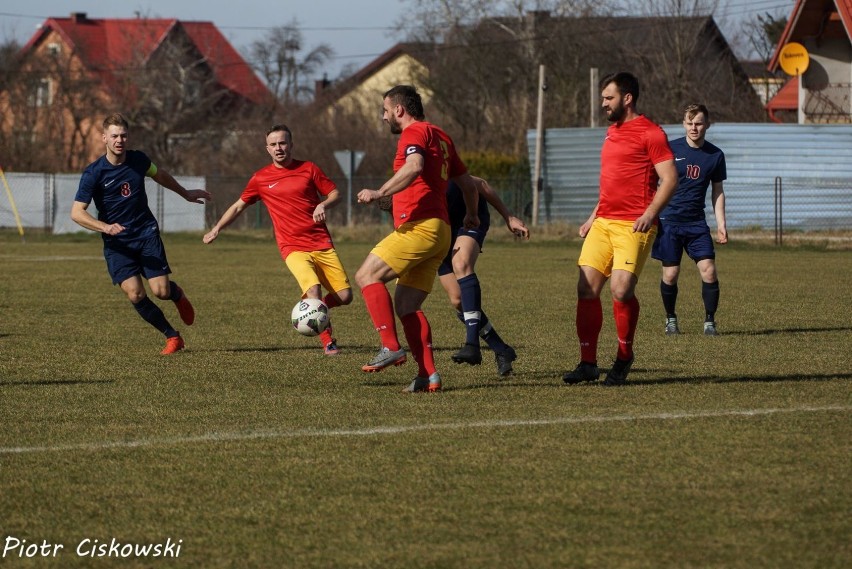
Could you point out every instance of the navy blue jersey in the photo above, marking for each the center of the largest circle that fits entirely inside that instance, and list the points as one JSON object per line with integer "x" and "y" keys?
{"x": 696, "y": 169}
{"x": 119, "y": 195}
{"x": 457, "y": 209}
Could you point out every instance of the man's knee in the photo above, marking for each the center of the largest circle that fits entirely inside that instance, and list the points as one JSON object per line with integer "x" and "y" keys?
{"x": 344, "y": 296}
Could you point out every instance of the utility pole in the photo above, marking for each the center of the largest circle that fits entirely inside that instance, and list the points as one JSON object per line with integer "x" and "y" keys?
{"x": 539, "y": 138}
{"x": 594, "y": 94}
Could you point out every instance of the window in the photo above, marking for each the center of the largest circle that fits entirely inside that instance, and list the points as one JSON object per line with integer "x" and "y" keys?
{"x": 42, "y": 94}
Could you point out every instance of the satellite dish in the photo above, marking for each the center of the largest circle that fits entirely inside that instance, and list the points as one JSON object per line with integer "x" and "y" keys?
{"x": 794, "y": 59}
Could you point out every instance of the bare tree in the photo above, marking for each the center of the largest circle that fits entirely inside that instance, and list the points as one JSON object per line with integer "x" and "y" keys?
{"x": 280, "y": 61}
{"x": 48, "y": 102}
{"x": 763, "y": 33}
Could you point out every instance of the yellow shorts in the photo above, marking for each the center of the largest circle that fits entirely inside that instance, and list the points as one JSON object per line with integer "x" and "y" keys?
{"x": 612, "y": 244}
{"x": 318, "y": 267}
{"x": 415, "y": 250}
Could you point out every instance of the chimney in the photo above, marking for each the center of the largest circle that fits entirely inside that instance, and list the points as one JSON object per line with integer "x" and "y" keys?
{"x": 321, "y": 84}
{"x": 78, "y": 17}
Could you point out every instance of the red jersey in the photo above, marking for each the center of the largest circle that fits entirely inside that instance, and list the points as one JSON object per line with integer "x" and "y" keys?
{"x": 628, "y": 178}
{"x": 425, "y": 197}
{"x": 290, "y": 195}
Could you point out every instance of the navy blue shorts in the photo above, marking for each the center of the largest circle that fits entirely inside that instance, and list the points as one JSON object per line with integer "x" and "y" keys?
{"x": 675, "y": 238}
{"x": 479, "y": 234}
{"x": 145, "y": 257}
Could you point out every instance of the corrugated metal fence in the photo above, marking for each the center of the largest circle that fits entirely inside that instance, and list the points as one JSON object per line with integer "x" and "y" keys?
{"x": 801, "y": 174}
{"x": 44, "y": 201}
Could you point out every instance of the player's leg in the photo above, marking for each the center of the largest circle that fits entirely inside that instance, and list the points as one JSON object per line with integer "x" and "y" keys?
{"x": 465, "y": 252}
{"x": 430, "y": 240}
{"x": 669, "y": 292}
{"x": 700, "y": 249}
{"x": 155, "y": 268}
{"x": 668, "y": 249}
{"x": 709, "y": 294}
{"x": 151, "y": 313}
{"x": 374, "y": 272}
{"x": 595, "y": 266}
{"x": 125, "y": 267}
{"x": 333, "y": 278}
{"x": 630, "y": 251}
{"x": 415, "y": 326}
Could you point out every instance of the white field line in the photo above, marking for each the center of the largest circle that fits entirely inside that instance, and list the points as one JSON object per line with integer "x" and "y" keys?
{"x": 402, "y": 429}
{"x": 50, "y": 258}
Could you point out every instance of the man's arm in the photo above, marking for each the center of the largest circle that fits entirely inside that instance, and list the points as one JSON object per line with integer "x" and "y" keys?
{"x": 332, "y": 199}
{"x": 587, "y": 225}
{"x": 166, "y": 180}
{"x": 718, "y": 198}
{"x": 470, "y": 195}
{"x": 667, "y": 173}
{"x": 227, "y": 219}
{"x": 401, "y": 179}
{"x": 514, "y": 224}
{"x": 85, "y": 219}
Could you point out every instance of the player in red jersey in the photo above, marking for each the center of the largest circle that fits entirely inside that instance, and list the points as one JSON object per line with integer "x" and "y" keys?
{"x": 638, "y": 177}
{"x": 425, "y": 161}
{"x": 290, "y": 189}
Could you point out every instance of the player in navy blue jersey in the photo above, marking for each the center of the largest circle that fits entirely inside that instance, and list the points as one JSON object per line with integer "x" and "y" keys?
{"x": 460, "y": 281}
{"x": 683, "y": 226}
{"x": 132, "y": 244}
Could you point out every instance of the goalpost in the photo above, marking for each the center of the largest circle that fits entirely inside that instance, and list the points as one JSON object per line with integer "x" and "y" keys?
{"x": 12, "y": 202}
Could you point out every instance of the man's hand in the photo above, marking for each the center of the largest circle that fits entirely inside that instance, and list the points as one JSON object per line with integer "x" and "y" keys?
{"x": 113, "y": 229}
{"x": 644, "y": 223}
{"x": 319, "y": 213}
{"x": 197, "y": 196}
{"x": 518, "y": 227}
{"x": 368, "y": 196}
{"x": 211, "y": 235}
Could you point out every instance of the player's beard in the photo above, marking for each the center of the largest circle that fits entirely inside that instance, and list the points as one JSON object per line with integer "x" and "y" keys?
{"x": 616, "y": 113}
{"x": 394, "y": 126}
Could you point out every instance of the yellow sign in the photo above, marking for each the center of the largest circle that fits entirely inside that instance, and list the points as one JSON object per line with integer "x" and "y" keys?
{"x": 794, "y": 59}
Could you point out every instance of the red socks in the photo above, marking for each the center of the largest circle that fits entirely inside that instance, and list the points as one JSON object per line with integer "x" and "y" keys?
{"x": 589, "y": 323}
{"x": 418, "y": 333}
{"x": 380, "y": 306}
{"x": 626, "y": 317}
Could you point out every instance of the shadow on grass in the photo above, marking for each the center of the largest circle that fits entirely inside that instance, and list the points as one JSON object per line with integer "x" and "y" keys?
{"x": 347, "y": 348}
{"x": 547, "y": 379}
{"x": 770, "y": 332}
{"x": 743, "y": 379}
{"x": 55, "y": 382}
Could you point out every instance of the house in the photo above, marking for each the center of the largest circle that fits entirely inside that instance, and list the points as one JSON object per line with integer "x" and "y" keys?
{"x": 168, "y": 75}
{"x": 824, "y": 28}
{"x": 764, "y": 82}
{"x": 482, "y": 80}
{"x": 361, "y": 93}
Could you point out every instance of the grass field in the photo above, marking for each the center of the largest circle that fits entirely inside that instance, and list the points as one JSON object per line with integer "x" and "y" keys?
{"x": 252, "y": 449}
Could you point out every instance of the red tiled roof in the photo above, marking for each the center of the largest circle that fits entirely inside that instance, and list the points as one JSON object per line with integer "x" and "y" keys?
{"x": 107, "y": 45}
{"x": 787, "y": 97}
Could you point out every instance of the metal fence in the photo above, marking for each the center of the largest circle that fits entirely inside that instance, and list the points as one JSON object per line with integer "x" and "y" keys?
{"x": 515, "y": 193}
{"x": 791, "y": 203}
{"x": 43, "y": 201}
{"x": 798, "y": 177}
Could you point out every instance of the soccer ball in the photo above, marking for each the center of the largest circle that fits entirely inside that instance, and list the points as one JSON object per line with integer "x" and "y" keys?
{"x": 310, "y": 316}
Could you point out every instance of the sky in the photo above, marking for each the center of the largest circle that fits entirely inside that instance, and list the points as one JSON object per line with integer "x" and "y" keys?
{"x": 357, "y": 30}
